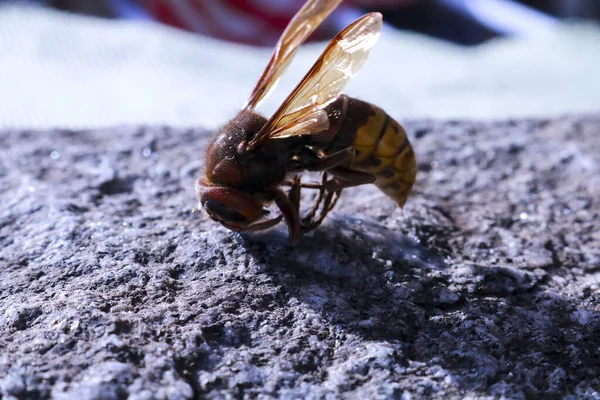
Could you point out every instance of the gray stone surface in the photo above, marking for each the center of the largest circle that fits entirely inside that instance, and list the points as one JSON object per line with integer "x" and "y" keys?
{"x": 486, "y": 285}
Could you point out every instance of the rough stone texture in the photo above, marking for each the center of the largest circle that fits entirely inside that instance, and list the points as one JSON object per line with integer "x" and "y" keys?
{"x": 486, "y": 285}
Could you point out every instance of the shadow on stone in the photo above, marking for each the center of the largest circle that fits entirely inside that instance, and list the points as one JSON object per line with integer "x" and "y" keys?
{"x": 362, "y": 276}
{"x": 489, "y": 326}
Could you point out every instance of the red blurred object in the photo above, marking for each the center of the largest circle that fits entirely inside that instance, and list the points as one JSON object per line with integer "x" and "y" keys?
{"x": 257, "y": 22}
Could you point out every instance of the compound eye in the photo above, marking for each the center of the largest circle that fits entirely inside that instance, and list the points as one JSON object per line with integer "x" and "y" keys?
{"x": 223, "y": 212}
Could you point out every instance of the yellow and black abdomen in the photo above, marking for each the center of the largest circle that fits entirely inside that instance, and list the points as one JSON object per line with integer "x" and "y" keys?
{"x": 381, "y": 146}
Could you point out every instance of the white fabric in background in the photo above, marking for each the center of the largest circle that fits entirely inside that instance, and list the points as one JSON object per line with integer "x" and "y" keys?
{"x": 61, "y": 70}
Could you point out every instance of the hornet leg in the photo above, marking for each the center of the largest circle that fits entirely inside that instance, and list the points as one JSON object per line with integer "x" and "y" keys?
{"x": 346, "y": 177}
{"x": 289, "y": 205}
{"x": 343, "y": 178}
{"x": 330, "y": 161}
{"x": 316, "y": 202}
{"x": 328, "y": 205}
{"x": 257, "y": 226}
{"x": 290, "y": 210}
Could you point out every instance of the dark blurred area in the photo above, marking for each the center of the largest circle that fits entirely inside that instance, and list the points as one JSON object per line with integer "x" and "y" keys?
{"x": 259, "y": 22}
{"x": 473, "y": 22}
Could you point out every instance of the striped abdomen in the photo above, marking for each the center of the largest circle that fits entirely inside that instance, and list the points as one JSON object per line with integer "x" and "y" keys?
{"x": 381, "y": 145}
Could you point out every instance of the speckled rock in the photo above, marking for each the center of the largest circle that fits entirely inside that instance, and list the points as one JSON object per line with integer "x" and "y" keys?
{"x": 486, "y": 285}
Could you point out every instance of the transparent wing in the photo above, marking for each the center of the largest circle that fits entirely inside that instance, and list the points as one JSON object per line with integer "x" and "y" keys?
{"x": 303, "y": 112}
{"x": 298, "y": 30}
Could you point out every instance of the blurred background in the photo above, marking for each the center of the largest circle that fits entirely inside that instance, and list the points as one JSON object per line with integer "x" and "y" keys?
{"x": 259, "y": 22}
{"x": 80, "y": 63}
